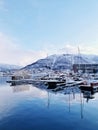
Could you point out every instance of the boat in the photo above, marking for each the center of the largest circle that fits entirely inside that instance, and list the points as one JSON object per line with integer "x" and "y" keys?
{"x": 90, "y": 85}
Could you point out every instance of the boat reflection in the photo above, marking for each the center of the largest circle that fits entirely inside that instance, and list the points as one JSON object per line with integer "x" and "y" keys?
{"x": 20, "y": 88}
{"x": 89, "y": 93}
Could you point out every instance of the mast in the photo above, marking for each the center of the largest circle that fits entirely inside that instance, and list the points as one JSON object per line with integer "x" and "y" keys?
{"x": 81, "y": 105}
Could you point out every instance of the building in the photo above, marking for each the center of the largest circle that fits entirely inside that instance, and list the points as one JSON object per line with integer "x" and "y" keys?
{"x": 85, "y": 68}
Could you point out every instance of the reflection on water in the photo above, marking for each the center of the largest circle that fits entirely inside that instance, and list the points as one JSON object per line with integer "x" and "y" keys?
{"x": 20, "y": 88}
{"x": 27, "y": 107}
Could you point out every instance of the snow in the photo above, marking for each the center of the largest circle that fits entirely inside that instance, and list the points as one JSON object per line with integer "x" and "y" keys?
{"x": 62, "y": 62}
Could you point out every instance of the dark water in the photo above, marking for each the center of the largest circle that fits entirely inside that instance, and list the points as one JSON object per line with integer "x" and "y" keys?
{"x": 25, "y": 107}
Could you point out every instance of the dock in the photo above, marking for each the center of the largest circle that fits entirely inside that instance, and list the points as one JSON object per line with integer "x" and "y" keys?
{"x": 51, "y": 83}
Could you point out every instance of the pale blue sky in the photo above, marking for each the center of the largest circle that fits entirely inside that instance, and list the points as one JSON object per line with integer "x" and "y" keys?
{"x": 39, "y": 25}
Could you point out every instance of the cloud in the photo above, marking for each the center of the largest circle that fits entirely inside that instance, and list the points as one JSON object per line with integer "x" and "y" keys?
{"x": 81, "y": 48}
{"x": 31, "y": 56}
{"x": 13, "y": 53}
{"x": 91, "y": 49}
{"x": 69, "y": 49}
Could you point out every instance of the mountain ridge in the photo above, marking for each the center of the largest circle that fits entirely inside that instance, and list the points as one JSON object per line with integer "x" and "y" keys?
{"x": 5, "y": 67}
{"x": 61, "y": 62}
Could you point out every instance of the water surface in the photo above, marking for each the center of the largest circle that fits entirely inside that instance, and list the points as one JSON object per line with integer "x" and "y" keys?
{"x": 26, "y": 107}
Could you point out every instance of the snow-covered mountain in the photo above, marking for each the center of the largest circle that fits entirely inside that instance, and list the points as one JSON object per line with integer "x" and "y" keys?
{"x": 5, "y": 67}
{"x": 63, "y": 61}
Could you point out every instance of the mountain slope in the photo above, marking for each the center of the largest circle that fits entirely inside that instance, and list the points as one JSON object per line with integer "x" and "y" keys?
{"x": 60, "y": 62}
{"x": 5, "y": 67}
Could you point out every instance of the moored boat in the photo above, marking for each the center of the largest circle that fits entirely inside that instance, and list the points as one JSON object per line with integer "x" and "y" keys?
{"x": 90, "y": 85}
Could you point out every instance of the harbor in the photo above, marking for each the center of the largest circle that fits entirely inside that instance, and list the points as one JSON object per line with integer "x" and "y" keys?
{"x": 48, "y": 64}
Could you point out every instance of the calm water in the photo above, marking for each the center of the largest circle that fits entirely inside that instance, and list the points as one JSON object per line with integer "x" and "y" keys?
{"x": 25, "y": 107}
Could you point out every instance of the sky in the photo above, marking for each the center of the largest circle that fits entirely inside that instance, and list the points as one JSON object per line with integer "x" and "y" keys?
{"x": 32, "y": 29}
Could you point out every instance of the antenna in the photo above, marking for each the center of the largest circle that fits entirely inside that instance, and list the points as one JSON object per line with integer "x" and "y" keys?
{"x": 79, "y": 58}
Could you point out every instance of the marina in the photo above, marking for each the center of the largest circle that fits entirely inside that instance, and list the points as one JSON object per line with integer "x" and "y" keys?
{"x": 48, "y": 65}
